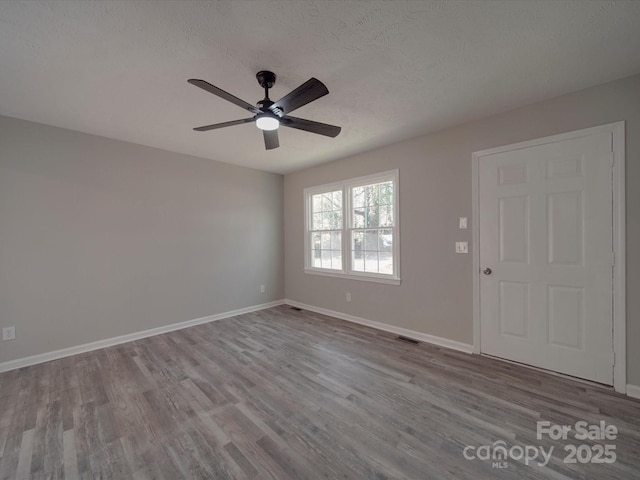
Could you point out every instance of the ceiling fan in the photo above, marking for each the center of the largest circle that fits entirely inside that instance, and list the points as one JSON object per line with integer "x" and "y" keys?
{"x": 269, "y": 115}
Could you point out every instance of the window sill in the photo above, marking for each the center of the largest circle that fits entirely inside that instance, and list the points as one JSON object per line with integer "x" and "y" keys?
{"x": 354, "y": 276}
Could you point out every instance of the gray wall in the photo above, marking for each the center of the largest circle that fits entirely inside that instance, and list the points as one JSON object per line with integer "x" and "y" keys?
{"x": 100, "y": 238}
{"x": 435, "y": 296}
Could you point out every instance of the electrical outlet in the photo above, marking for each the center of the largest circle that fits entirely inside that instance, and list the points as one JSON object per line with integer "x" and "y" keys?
{"x": 348, "y": 297}
{"x": 261, "y": 288}
{"x": 462, "y": 247}
{"x": 8, "y": 333}
{"x": 463, "y": 223}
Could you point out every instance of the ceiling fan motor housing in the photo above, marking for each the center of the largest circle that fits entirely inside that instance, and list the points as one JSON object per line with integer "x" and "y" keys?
{"x": 266, "y": 79}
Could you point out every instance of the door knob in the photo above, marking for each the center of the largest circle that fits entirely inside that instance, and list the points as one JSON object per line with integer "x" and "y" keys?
{"x": 487, "y": 271}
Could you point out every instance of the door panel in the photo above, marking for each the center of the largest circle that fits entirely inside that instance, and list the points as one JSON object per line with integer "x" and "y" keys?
{"x": 564, "y": 227}
{"x": 566, "y": 316}
{"x": 546, "y": 234}
{"x": 514, "y": 309}
{"x": 514, "y": 229}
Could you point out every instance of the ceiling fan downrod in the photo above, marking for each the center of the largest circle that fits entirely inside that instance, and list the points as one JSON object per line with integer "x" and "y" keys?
{"x": 266, "y": 79}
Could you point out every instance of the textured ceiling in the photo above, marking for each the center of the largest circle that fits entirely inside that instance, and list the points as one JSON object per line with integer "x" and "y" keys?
{"x": 395, "y": 69}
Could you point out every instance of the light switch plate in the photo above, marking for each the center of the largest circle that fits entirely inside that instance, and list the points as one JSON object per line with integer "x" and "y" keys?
{"x": 462, "y": 247}
{"x": 463, "y": 222}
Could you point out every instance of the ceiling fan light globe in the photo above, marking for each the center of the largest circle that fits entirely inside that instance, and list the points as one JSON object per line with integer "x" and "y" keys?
{"x": 267, "y": 123}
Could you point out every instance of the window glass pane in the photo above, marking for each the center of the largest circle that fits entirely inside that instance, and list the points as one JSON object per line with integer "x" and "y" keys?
{"x": 315, "y": 249}
{"x": 327, "y": 220}
{"x": 357, "y": 241}
{"x": 370, "y": 195}
{"x": 326, "y": 235}
{"x": 372, "y": 251}
{"x": 329, "y": 259}
{"x": 358, "y": 217}
{"x": 336, "y": 260}
{"x": 358, "y": 197}
{"x": 357, "y": 251}
{"x": 382, "y": 194}
{"x": 326, "y": 259}
{"x": 337, "y": 200}
{"x": 326, "y": 241}
{"x": 326, "y": 211}
{"x": 386, "y": 193}
{"x": 371, "y": 240}
{"x": 332, "y": 220}
{"x": 316, "y": 202}
{"x": 372, "y": 214}
{"x": 317, "y": 221}
{"x": 327, "y": 202}
{"x": 315, "y": 257}
{"x": 377, "y": 200}
{"x": 386, "y": 262}
{"x": 357, "y": 261}
{"x": 371, "y": 262}
{"x": 336, "y": 241}
{"x": 382, "y": 215}
{"x": 385, "y": 240}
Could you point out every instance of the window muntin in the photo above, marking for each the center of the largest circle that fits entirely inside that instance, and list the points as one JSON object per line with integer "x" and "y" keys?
{"x": 352, "y": 228}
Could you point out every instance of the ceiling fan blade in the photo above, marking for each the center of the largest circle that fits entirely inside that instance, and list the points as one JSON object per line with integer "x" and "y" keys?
{"x": 271, "y": 139}
{"x": 309, "y": 91}
{"x": 310, "y": 126}
{"x": 222, "y": 94}
{"x": 223, "y": 124}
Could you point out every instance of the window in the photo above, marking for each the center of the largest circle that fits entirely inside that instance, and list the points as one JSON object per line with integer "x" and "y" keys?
{"x": 326, "y": 230}
{"x": 352, "y": 228}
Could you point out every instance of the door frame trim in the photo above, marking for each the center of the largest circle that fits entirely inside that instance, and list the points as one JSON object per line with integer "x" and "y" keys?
{"x": 619, "y": 240}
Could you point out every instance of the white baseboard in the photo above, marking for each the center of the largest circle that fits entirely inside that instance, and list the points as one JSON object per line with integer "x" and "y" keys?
{"x": 633, "y": 391}
{"x": 424, "y": 337}
{"x": 108, "y": 342}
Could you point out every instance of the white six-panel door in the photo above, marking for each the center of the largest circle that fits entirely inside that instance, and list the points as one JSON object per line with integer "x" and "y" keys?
{"x": 546, "y": 256}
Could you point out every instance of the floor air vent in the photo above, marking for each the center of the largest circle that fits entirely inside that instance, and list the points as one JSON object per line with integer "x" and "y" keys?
{"x": 296, "y": 309}
{"x": 412, "y": 341}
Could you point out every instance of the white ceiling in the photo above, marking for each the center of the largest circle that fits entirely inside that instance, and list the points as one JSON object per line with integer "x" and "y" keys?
{"x": 395, "y": 69}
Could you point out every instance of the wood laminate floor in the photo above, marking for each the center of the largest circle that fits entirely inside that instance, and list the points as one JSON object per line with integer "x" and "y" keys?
{"x": 282, "y": 394}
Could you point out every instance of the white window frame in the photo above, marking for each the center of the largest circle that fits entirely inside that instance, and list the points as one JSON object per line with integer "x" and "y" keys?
{"x": 346, "y": 186}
